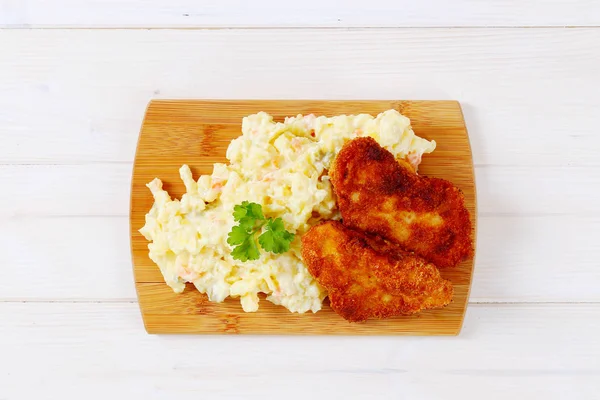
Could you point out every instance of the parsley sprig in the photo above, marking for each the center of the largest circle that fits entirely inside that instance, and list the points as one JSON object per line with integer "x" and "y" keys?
{"x": 251, "y": 220}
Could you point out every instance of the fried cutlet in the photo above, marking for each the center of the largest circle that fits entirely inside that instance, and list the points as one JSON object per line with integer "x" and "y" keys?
{"x": 367, "y": 277}
{"x": 382, "y": 196}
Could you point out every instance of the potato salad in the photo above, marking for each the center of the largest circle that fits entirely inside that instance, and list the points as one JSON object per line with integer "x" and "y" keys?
{"x": 281, "y": 166}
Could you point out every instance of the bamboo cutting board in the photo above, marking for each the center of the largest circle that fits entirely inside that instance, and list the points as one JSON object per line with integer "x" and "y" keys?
{"x": 197, "y": 133}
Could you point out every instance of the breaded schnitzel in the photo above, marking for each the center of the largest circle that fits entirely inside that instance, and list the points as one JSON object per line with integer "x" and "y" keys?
{"x": 365, "y": 282}
{"x": 381, "y": 196}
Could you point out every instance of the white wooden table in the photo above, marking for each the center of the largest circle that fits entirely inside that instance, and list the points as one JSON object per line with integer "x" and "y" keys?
{"x": 75, "y": 77}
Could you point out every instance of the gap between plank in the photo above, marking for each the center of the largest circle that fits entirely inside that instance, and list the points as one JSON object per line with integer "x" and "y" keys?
{"x": 242, "y": 27}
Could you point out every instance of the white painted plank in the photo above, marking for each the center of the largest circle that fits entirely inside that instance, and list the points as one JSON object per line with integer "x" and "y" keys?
{"x": 537, "y": 259}
{"x": 531, "y": 259}
{"x": 530, "y": 96}
{"x": 538, "y": 190}
{"x": 308, "y": 13}
{"x": 66, "y": 258}
{"x": 65, "y": 190}
{"x": 102, "y": 349}
{"x": 104, "y": 189}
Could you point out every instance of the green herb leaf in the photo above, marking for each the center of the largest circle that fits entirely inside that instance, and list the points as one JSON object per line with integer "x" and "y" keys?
{"x": 248, "y": 210}
{"x": 247, "y": 223}
{"x": 275, "y": 238}
{"x": 237, "y": 235}
{"x": 247, "y": 250}
{"x": 248, "y": 215}
{"x": 251, "y": 220}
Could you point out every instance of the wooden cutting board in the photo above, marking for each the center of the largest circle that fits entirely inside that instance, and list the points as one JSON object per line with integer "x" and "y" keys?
{"x": 197, "y": 133}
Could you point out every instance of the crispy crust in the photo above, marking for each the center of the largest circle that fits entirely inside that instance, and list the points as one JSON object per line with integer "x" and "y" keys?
{"x": 381, "y": 196}
{"x": 368, "y": 277}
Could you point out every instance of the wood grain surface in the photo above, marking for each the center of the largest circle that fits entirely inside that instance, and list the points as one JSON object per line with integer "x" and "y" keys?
{"x": 197, "y": 133}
